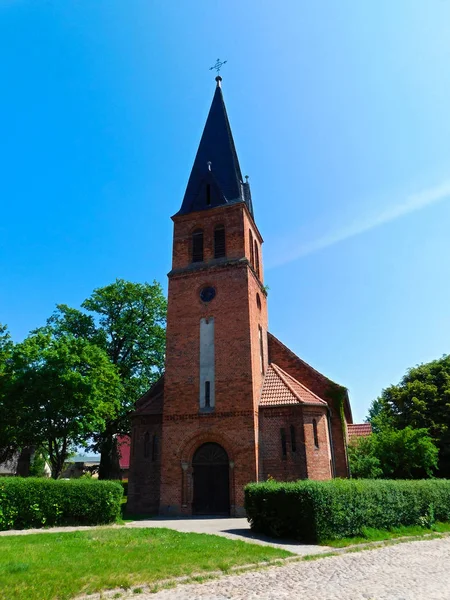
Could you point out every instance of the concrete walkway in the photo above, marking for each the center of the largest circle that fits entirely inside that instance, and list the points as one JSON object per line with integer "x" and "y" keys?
{"x": 233, "y": 528}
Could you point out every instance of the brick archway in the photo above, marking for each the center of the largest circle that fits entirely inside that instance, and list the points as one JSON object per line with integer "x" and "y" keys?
{"x": 187, "y": 452}
{"x": 211, "y": 480}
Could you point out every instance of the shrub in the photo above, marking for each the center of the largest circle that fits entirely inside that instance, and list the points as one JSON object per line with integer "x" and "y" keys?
{"x": 33, "y": 502}
{"x": 315, "y": 511}
{"x": 394, "y": 454}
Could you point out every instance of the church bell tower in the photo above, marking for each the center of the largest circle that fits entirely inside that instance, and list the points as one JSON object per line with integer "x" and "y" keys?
{"x": 217, "y": 353}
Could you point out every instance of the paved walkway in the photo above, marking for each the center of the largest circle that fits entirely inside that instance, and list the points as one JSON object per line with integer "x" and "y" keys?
{"x": 407, "y": 571}
{"x": 233, "y": 528}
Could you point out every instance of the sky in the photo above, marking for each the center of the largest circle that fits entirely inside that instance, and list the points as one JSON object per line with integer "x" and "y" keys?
{"x": 341, "y": 116}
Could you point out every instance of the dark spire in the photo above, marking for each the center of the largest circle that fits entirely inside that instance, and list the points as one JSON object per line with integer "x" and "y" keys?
{"x": 216, "y": 177}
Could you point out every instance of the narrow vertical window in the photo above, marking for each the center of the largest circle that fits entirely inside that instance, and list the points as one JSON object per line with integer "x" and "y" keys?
{"x": 316, "y": 436}
{"x": 207, "y": 394}
{"x": 256, "y": 259}
{"x": 219, "y": 242}
{"x": 208, "y": 195}
{"x": 283, "y": 442}
{"x": 197, "y": 246}
{"x": 293, "y": 439}
{"x": 155, "y": 448}
{"x": 252, "y": 257}
{"x": 146, "y": 444}
{"x": 207, "y": 362}
{"x": 261, "y": 348}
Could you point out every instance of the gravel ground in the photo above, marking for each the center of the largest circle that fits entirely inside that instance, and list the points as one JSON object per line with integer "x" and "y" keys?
{"x": 407, "y": 571}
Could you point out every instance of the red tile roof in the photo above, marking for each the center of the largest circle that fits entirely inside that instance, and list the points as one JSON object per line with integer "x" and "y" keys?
{"x": 359, "y": 430}
{"x": 280, "y": 389}
{"x": 123, "y": 444}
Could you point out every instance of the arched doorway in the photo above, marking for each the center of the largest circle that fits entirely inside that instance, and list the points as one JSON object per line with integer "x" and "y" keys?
{"x": 211, "y": 480}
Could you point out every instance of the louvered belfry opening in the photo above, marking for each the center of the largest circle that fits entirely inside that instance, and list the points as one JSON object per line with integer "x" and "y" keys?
{"x": 197, "y": 246}
{"x": 219, "y": 242}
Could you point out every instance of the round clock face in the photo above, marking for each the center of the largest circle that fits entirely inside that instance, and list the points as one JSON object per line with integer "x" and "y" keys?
{"x": 207, "y": 294}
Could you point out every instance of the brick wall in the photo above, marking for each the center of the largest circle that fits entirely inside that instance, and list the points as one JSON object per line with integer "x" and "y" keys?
{"x": 238, "y": 378}
{"x": 274, "y": 463}
{"x": 322, "y": 387}
{"x": 318, "y": 456}
{"x": 145, "y": 467}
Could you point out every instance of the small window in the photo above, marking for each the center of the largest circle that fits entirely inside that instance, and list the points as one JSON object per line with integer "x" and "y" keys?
{"x": 316, "y": 436}
{"x": 207, "y": 394}
{"x": 208, "y": 195}
{"x": 252, "y": 258}
{"x": 146, "y": 445}
{"x": 256, "y": 259}
{"x": 261, "y": 348}
{"x": 293, "y": 439}
{"x": 155, "y": 448}
{"x": 219, "y": 242}
{"x": 283, "y": 442}
{"x": 258, "y": 301}
{"x": 197, "y": 246}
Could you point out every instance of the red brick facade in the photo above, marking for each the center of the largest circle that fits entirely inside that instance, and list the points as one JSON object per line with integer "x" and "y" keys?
{"x": 260, "y": 440}
{"x": 269, "y": 414}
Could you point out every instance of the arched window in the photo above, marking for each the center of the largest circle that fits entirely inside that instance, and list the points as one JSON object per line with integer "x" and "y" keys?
{"x": 219, "y": 242}
{"x": 146, "y": 444}
{"x": 316, "y": 436}
{"x": 252, "y": 258}
{"x": 258, "y": 301}
{"x": 197, "y": 246}
{"x": 293, "y": 439}
{"x": 256, "y": 259}
{"x": 283, "y": 442}
{"x": 155, "y": 448}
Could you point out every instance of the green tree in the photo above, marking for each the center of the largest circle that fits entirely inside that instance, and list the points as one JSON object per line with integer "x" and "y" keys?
{"x": 420, "y": 400}
{"x": 8, "y": 441}
{"x": 59, "y": 391}
{"x": 394, "y": 454}
{"x": 126, "y": 320}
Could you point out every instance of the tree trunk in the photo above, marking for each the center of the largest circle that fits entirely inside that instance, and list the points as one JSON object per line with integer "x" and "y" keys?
{"x": 24, "y": 462}
{"x": 109, "y": 458}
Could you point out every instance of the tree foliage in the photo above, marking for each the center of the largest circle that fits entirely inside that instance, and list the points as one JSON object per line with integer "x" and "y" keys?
{"x": 8, "y": 441}
{"x": 420, "y": 400}
{"x": 127, "y": 321}
{"x": 58, "y": 391}
{"x": 394, "y": 454}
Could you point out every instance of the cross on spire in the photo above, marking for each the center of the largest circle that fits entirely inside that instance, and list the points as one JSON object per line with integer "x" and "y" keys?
{"x": 219, "y": 64}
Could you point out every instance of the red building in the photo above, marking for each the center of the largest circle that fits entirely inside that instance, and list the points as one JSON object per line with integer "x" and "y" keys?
{"x": 234, "y": 405}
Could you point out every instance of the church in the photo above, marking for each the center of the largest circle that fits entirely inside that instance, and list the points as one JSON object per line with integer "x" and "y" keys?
{"x": 234, "y": 404}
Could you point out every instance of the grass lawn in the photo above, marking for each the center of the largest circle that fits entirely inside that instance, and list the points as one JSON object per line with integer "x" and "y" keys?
{"x": 379, "y": 535}
{"x": 63, "y": 565}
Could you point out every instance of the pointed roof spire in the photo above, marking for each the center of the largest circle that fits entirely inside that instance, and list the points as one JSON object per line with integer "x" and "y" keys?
{"x": 216, "y": 177}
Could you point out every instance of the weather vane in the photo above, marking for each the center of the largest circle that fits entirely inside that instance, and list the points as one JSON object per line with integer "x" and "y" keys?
{"x": 219, "y": 64}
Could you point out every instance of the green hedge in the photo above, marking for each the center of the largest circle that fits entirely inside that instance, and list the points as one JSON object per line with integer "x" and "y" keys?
{"x": 37, "y": 502}
{"x": 315, "y": 511}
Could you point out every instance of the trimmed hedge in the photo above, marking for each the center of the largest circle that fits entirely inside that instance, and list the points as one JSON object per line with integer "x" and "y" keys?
{"x": 316, "y": 511}
{"x": 36, "y": 502}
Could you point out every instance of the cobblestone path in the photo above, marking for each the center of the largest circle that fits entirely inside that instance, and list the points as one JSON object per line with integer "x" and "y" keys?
{"x": 407, "y": 571}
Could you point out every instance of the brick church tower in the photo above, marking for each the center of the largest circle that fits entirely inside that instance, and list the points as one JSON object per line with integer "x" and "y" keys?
{"x": 234, "y": 404}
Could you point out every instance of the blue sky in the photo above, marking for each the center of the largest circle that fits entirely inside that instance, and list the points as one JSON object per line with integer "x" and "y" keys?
{"x": 340, "y": 113}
